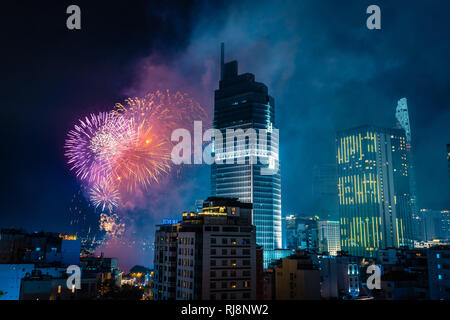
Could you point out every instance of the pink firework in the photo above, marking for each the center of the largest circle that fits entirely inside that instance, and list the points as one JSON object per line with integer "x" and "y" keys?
{"x": 94, "y": 141}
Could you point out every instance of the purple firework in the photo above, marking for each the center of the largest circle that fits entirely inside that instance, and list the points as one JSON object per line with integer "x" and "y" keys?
{"x": 94, "y": 142}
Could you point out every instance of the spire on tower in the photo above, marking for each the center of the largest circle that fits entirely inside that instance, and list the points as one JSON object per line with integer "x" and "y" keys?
{"x": 403, "y": 117}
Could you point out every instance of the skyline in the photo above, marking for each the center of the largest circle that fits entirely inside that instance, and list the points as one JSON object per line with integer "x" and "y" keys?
{"x": 320, "y": 75}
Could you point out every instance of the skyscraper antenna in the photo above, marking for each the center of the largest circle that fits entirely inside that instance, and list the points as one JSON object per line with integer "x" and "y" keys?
{"x": 222, "y": 58}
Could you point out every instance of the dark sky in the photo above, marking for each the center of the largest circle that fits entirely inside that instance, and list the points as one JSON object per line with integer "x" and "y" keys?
{"x": 324, "y": 68}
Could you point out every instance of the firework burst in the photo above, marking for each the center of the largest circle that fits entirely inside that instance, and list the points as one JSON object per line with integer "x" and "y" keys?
{"x": 93, "y": 142}
{"x": 116, "y": 153}
{"x": 111, "y": 225}
{"x": 154, "y": 117}
{"x": 105, "y": 195}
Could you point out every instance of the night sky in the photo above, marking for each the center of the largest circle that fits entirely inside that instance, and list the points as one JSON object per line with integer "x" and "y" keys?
{"x": 324, "y": 68}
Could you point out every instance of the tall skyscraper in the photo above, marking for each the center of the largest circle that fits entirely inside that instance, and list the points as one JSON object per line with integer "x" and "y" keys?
{"x": 373, "y": 190}
{"x": 448, "y": 158}
{"x": 325, "y": 191}
{"x": 402, "y": 115}
{"x": 241, "y": 103}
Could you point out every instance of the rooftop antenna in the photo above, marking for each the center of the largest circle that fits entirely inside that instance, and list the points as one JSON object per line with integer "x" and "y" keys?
{"x": 222, "y": 54}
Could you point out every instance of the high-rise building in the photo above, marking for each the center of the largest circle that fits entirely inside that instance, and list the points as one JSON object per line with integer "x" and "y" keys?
{"x": 402, "y": 116}
{"x": 373, "y": 186}
{"x": 329, "y": 237}
{"x": 210, "y": 255}
{"x": 325, "y": 191}
{"x": 448, "y": 158}
{"x": 436, "y": 224}
{"x": 243, "y": 104}
{"x": 301, "y": 233}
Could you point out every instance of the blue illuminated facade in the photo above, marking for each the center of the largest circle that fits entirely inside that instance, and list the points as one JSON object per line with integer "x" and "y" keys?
{"x": 243, "y": 103}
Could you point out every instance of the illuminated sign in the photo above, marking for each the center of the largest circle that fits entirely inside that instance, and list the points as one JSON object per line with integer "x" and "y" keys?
{"x": 169, "y": 221}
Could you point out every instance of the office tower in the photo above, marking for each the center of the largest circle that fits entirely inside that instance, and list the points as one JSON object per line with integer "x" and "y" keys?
{"x": 402, "y": 116}
{"x": 325, "y": 191}
{"x": 289, "y": 229}
{"x": 439, "y": 272}
{"x": 436, "y": 224}
{"x": 448, "y": 159}
{"x": 209, "y": 256}
{"x": 301, "y": 233}
{"x": 329, "y": 237}
{"x": 373, "y": 186}
{"x": 241, "y": 103}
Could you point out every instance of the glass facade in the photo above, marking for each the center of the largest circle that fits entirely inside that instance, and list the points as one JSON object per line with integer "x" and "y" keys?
{"x": 325, "y": 191}
{"x": 373, "y": 190}
{"x": 329, "y": 237}
{"x": 402, "y": 115}
{"x": 243, "y": 103}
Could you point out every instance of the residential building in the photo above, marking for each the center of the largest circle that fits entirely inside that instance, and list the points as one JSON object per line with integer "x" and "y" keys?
{"x": 209, "y": 255}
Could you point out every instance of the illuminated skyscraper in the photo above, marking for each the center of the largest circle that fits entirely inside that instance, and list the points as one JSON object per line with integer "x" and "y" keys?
{"x": 242, "y": 103}
{"x": 402, "y": 115}
{"x": 373, "y": 190}
{"x": 448, "y": 158}
{"x": 329, "y": 237}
